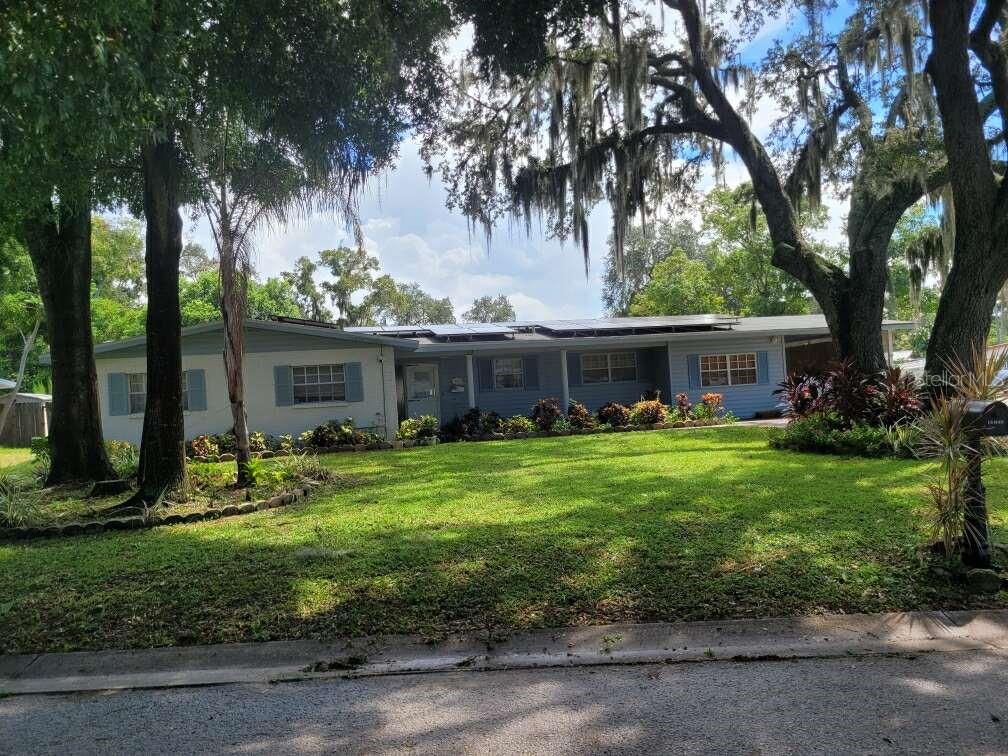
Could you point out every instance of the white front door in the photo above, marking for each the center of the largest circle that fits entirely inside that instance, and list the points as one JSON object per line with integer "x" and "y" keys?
{"x": 422, "y": 391}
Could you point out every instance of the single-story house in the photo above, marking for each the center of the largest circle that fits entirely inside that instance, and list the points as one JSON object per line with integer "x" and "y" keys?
{"x": 299, "y": 374}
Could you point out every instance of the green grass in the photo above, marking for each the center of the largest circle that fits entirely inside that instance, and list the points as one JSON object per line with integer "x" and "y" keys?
{"x": 505, "y": 535}
{"x": 14, "y": 461}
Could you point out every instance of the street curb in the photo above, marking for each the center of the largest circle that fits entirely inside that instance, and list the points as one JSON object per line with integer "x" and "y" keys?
{"x": 712, "y": 641}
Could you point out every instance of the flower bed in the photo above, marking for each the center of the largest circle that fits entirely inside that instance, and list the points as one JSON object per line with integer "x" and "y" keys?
{"x": 548, "y": 419}
{"x": 141, "y": 522}
{"x": 847, "y": 411}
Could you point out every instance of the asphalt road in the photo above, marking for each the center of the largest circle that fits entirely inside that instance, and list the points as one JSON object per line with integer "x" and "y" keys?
{"x": 931, "y": 703}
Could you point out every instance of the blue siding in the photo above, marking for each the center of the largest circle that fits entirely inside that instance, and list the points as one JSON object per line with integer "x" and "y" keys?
{"x": 653, "y": 372}
{"x": 742, "y": 401}
{"x": 508, "y": 402}
{"x": 651, "y": 365}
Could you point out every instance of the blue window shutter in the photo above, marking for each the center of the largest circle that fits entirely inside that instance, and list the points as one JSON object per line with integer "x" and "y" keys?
{"x": 530, "y": 364}
{"x": 762, "y": 368}
{"x": 196, "y": 385}
{"x": 573, "y": 369}
{"x": 354, "y": 382}
{"x": 693, "y": 366}
{"x": 283, "y": 382}
{"x": 118, "y": 394}
{"x": 484, "y": 374}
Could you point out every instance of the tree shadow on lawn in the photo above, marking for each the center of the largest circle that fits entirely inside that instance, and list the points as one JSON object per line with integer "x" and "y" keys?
{"x": 433, "y": 548}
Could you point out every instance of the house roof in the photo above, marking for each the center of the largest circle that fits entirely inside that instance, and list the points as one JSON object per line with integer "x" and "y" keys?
{"x": 25, "y": 397}
{"x": 520, "y": 334}
{"x": 605, "y": 331}
{"x": 289, "y": 325}
{"x": 5, "y": 384}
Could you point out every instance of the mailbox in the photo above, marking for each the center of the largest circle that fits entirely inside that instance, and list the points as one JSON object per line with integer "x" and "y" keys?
{"x": 987, "y": 418}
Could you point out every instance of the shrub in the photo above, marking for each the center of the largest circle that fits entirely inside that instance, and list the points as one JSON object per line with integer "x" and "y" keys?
{"x": 226, "y": 442}
{"x": 648, "y": 412}
{"x": 491, "y": 422}
{"x": 898, "y": 399}
{"x": 285, "y": 443}
{"x": 651, "y": 395}
{"x": 614, "y": 414}
{"x": 545, "y": 413}
{"x": 124, "y": 458}
{"x": 683, "y": 407}
{"x": 204, "y": 446}
{"x": 800, "y": 394}
{"x": 324, "y": 435}
{"x": 560, "y": 425}
{"x": 425, "y": 426}
{"x": 827, "y": 432}
{"x": 519, "y": 424}
{"x": 474, "y": 423}
{"x": 713, "y": 400}
{"x": 580, "y": 416}
{"x": 19, "y": 507}
{"x": 40, "y": 448}
{"x": 305, "y": 439}
{"x": 302, "y": 467}
{"x": 257, "y": 442}
{"x": 850, "y": 392}
{"x": 453, "y": 430}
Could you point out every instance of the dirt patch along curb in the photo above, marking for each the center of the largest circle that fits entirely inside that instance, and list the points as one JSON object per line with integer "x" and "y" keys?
{"x": 731, "y": 641}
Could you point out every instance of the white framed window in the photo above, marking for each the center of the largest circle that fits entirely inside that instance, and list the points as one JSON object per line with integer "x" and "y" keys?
{"x": 728, "y": 369}
{"x": 612, "y": 367}
{"x": 318, "y": 383}
{"x": 509, "y": 373}
{"x": 136, "y": 388}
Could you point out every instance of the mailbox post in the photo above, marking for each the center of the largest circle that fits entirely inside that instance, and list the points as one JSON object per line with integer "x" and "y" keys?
{"x": 983, "y": 419}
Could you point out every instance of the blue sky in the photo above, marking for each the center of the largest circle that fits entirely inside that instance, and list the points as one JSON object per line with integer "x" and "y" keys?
{"x": 408, "y": 228}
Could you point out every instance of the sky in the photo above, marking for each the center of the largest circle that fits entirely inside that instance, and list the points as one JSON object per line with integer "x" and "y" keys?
{"x": 417, "y": 239}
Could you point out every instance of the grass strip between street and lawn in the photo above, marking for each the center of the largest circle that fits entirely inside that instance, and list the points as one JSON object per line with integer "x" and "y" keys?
{"x": 493, "y": 537}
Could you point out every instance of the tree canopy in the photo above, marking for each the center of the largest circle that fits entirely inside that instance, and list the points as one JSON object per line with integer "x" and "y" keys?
{"x": 489, "y": 309}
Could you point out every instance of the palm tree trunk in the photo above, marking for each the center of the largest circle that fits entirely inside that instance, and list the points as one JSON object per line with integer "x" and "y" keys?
{"x": 233, "y": 274}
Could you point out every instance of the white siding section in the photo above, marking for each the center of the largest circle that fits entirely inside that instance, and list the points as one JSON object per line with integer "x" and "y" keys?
{"x": 378, "y": 407}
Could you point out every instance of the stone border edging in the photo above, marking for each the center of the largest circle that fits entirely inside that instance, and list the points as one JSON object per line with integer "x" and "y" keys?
{"x": 138, "y": 522}
{"x": 712, "y": 641}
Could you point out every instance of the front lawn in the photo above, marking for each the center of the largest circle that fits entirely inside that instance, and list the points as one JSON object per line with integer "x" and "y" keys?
{"x": 14, "y": 460}
{"x": 673, "y": 525}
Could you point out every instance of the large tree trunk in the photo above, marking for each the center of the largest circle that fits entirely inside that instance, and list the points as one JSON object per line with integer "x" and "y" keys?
{"x": 162, "y": 451}
{"x": 232, "y": 305}
{"x": 980, "y": 258}
{"x": 59, "y": 244}
{"x": 963, "y": 320}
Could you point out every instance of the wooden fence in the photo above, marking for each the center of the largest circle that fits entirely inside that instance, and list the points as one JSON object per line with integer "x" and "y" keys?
{"x": 26, "y": 420}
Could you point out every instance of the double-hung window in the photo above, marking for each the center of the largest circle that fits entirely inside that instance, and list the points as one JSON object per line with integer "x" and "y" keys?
{"x": 509, "y": 373}
{"x": 136, "y": 386}
{"x": 318, "y": 383}
{"x": 613, "y": 367}
{"x": 728, "y": 369}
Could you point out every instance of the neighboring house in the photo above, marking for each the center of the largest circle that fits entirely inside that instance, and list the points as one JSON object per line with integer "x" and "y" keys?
{"x": 299, "y": 374}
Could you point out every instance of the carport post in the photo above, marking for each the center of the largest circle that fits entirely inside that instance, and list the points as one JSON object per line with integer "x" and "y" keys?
{"x": 564, "y": 382}
{"x": 470, "y": 388}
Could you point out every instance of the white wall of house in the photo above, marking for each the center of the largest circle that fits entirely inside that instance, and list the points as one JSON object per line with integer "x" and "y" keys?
{"x": 378, "y": 407}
